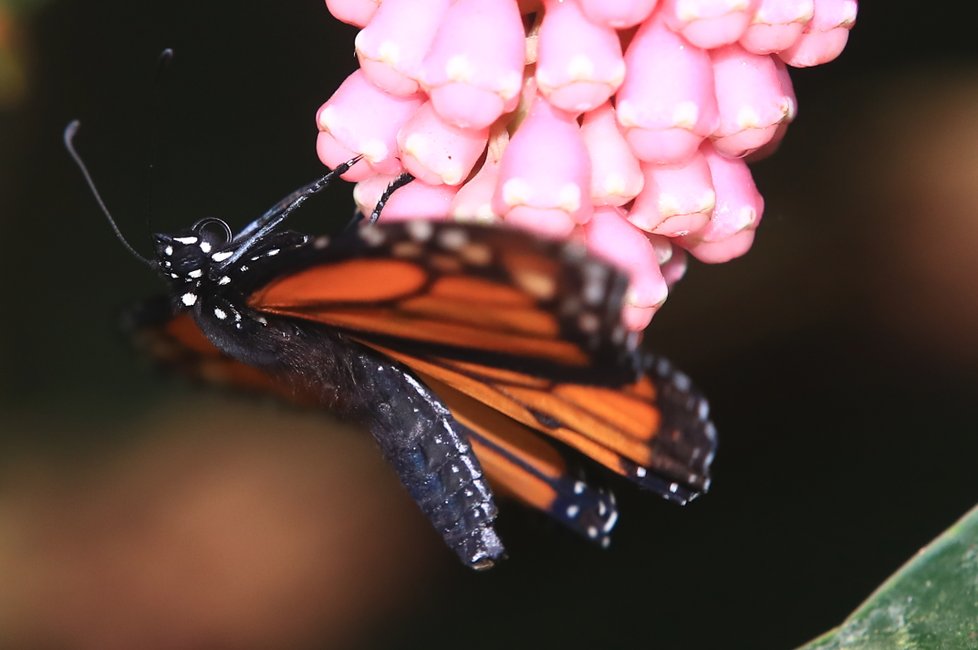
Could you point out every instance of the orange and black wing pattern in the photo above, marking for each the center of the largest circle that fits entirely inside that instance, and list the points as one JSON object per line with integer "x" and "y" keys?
{"x": 519, "y": 338}
{"x": 485, "y": 294}
{"x": 522, "y": 339}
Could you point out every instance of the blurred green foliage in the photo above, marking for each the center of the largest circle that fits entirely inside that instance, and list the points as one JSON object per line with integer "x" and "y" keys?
{"x": 930, "y": 602}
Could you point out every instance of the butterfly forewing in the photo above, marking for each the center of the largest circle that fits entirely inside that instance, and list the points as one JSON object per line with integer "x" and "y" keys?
{"x": 498, "y": 296}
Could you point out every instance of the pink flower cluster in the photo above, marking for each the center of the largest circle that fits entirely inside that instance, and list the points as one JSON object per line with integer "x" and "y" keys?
{"x": 622, "y": 122}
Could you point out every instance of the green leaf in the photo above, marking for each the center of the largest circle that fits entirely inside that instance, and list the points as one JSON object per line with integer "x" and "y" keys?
{"x": 931, "y": 602}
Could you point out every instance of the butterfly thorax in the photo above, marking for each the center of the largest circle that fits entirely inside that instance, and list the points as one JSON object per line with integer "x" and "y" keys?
{"x": 205, "y": 261}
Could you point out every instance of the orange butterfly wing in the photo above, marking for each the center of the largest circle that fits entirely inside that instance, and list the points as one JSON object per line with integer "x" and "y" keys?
{"x": 530, "y": 328}
{"x": 519, "y": 337}
{"x": 653, "y": 431}
{"x": 488, "y": 294}
{"x": 519, "y": 463}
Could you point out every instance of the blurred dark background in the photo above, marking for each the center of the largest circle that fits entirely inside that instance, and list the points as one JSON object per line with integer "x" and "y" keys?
{"x": 840, "y": 356}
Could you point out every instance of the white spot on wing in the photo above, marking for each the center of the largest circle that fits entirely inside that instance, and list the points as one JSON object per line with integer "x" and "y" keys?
{"x": 188, "y": 299}
{"x": 452, "y": 238}
{"x": 589, "y": 322}
{"x": 372, "y": 235}
{"x": 196, "y": 273}
{"x": 419, "y": 230}
{"x": 220, "y": 313}
{"x": 703, "y": 409}
{"x": 221, "y": 256}
{"x": 681, "y": 381}
{"x": 185, "y": 240}
{"x": 205, "y": 247}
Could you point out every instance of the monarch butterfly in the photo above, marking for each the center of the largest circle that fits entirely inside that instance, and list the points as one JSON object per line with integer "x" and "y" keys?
{"x": 469, "y": 352}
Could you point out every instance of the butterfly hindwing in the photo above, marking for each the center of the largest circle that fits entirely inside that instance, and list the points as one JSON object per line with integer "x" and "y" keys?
{"x": 655, "y": 431}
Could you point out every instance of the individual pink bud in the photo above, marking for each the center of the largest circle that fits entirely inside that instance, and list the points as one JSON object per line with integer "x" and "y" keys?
{"x": 352, "y": 12}
{"x": 777, "y": 25}
{"x": 674, "y": 268}
{"x": 676, "y": 200}
{"x": 545, "y": 175}
{"x": 391, "y": 47}
{"x": 739, "y": 208}
{"x": 709, "y": 23}
{"x": 721, "y": 251}
{"x": 751, "y": 99}
{"x": 416, "y": 200}
{"x": 619, "y": 14}
{"x": 666, "y": 105}
{"x": 609, "y": 235}
{"x": 362, "y": 119}
{"x": 474, "y": 69}
{"x": 788, "y": 92}
{"x": 474, "y": 199}
{"x": 579, "y": 63}
{"x": 436, "y": 152}
{"x": 616, "y": 176}
{"x": 825, "y": 36}
{"x": 663, "y": 247}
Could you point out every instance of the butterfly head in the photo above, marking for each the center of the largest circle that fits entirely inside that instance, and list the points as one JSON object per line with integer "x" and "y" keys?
{"x": 187, "y": 257}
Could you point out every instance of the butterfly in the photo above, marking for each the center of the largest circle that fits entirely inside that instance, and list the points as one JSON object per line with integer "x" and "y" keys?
{"x": 482, "y": 360}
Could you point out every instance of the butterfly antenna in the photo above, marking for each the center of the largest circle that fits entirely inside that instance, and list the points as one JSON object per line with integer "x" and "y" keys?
{"x": 162, "y": 64}
{"x": 395, "y": 185}
{"x": 274, "y": 216}
{"x": 69, "y": 137}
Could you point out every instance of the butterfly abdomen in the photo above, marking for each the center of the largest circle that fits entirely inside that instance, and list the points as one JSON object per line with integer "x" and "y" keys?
{"x": 415, "y": 432}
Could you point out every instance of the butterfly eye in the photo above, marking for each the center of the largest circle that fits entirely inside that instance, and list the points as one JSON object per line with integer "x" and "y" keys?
{"x": 211, "y": 226}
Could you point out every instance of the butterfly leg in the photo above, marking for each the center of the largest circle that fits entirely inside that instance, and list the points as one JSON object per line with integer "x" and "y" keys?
{"x": 435, "y": 462}
{"x": 395, "y": 185}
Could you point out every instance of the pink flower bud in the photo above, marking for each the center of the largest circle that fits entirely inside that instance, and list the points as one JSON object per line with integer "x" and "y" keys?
{"x": 391, "y": 47}
{"x": 474, "y": 199}
{"x": 416, "y": 200}
{"x": 579, "y": 64}
{"x": 676, "y": 200}
{"x": 709, "y": 23}
{"x": 439, "y": 153}
{"x": 361, "y": 118}
{"x": 825, "y": 36}
{"x": 609, "y": 235}
{"x": 738, "y": 210}
{"x": 526, "y": 119}
{"x": 777, "y": 25}
{"x": 788, "y": 92}
{"x": 666, "y": 105}
{"x": 616, "y": 176}
{"x": 352, "y": 12}
{"x": 474, "y": 69}
{"x": 674, "y": 268}
{"x": 751, "y": 100}
{"x": 619, "y": 14}
{"x": 721, "y": 251}
{"x": 545, "y": 175}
